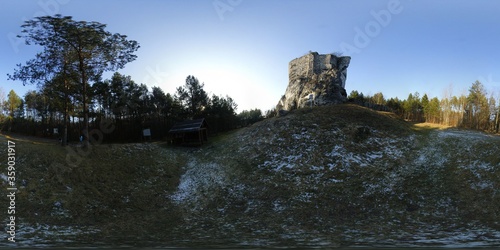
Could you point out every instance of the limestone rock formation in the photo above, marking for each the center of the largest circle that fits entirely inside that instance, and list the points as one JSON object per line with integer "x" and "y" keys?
{"x": 315, "y": 79}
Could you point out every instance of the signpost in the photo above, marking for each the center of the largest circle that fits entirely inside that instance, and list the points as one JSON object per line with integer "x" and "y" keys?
{"x": 146, "y": 133}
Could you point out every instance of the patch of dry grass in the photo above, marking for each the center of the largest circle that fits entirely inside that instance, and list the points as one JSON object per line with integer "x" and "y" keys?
{"x": 427, "y": 125}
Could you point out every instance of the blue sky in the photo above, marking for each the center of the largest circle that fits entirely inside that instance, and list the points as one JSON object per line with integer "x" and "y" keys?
{"x": 242, "y": 47}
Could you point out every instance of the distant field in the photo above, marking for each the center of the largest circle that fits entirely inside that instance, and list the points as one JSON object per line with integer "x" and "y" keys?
{"x": 426, "y": 125}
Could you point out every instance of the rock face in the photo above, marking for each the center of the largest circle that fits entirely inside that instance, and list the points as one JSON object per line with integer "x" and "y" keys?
{"x": 315, "y": 79}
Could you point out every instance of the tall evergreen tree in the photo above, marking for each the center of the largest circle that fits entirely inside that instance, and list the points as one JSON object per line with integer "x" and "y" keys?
{"x": 12, "y": 106}
{"x": 433, "y": 110}
{"x": 13, "y": 103}
{"x": 192, "y": 96}
{"x": 477, "y": 106}
{"x": 91, "y": 50}
{"x": 378, "y": 98}
{"x": 425, "y": 107}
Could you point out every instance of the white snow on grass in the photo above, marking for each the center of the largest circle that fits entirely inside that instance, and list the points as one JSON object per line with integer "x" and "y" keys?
{"x": 309, "y": 159}
{"x": 459, "y": 239}
{"x": 378, "y": 150}
{"x": 475, "y": 149}
{"x": 478, "y": 165}
{"x": 43, "y": 235}
{"x": 278, "y": 162}
{"x": 277, "y": 206}
{"x": 199, "y": 179}
{"x": 466, "y": 134}
{"x": 4, "y": 178}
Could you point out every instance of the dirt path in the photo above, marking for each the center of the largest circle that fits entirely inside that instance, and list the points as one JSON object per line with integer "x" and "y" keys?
{"x": 468, "y": 134}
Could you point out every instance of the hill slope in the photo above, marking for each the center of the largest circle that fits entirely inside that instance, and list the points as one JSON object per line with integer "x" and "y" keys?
{"x": 344, "y": 174}
{"x": 337, "y": 175}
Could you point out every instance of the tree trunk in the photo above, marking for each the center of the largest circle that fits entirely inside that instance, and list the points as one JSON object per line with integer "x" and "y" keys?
{"x": 64, "y": 140}
{"x": 497, "y": 122}
{"x": 66, "y": 117}
{"x": 65, "y": 132}
{"x": 84, "y": 99}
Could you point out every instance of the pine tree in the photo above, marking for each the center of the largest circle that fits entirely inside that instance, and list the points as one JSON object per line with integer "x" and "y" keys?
{"x": 192, "y": 96}
{"x": 73, "y": 46}
{"x": 477, "y": 107}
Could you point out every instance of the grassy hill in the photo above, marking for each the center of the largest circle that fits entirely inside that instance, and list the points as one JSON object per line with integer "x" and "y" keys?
{"x": 336, "y": 175}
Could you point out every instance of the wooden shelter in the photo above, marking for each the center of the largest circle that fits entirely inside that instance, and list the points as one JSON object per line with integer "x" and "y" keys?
{"x": 189, "y": 132}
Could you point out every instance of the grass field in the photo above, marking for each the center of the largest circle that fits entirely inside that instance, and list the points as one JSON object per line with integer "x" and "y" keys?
{"x": 327, "y": 174}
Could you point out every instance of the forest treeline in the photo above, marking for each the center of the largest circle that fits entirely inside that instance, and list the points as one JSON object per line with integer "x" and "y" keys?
{"x": 72, "y": 100}
{"x": 130, "y": 107}
{"x": 478, "y": 110}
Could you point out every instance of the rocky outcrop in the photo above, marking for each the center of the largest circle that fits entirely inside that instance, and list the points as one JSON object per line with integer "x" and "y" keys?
{"x": 314, "y": 80}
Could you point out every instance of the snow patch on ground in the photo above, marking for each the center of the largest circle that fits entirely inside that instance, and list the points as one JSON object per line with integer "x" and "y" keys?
{"x": 380, "y": 149}
{"x": 199, "y": 179}
{"x": 309, "y": 158}
{"x": 42, "y": 235}
{"x": 465, "y": 238}
{"x": 276, "y": 163}
{"x": 4, "y": 178}
{"x": 466, "y": 134}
